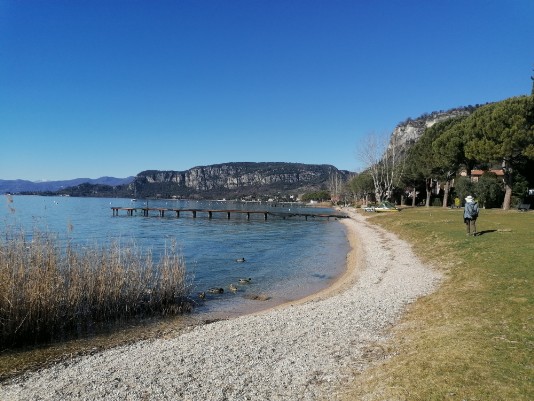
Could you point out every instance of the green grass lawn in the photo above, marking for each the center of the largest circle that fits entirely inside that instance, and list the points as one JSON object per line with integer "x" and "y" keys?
{"x": 473, "y": 339}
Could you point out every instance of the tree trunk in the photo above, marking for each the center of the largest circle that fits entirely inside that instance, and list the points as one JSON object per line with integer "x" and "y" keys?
{"x": 507, "y": 196}
{"x": 378, "y": 197}
{"x": 414, "y": 196}
{"x": 507, "y": 185}
{"x": 446, "y": 190}
{"x": 428, "y": 191}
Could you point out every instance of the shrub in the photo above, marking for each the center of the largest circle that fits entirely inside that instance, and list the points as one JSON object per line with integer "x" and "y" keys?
{"x": 489, "y": 190}
{"x": 437, "y": 202}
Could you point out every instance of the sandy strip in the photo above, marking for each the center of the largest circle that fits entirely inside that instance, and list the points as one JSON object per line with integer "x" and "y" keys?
{"x": 305, "y": 350}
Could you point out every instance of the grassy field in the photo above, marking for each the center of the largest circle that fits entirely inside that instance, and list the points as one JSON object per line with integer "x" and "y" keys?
{"x": 473, "y": 339}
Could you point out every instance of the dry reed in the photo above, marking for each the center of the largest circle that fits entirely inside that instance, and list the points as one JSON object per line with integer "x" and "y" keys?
{"x": 52, "y": 291}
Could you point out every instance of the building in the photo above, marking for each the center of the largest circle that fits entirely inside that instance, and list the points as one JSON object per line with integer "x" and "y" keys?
{"x": 476, "y": 174}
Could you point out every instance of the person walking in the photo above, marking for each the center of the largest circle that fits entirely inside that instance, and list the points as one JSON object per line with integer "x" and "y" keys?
{"x": 470, "y": 215}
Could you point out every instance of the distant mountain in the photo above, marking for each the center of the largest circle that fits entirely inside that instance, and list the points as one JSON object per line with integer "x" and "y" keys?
{"x": 18, "y": 186}
{"x": 236, "y": 180}
{"x": 242, "y": 180}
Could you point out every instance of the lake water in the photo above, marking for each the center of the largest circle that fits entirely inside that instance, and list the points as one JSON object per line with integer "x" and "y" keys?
{"x": 286, "y": 259}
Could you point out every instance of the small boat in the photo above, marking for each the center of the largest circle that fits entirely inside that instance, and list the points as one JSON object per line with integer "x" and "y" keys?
{"x": 386, "y": 207}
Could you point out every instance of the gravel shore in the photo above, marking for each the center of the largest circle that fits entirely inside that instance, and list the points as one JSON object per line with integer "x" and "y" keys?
{"x": 305, "y": 350}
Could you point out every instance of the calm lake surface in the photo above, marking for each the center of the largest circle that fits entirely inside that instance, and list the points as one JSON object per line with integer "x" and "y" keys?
{"x": 285, "y": 259}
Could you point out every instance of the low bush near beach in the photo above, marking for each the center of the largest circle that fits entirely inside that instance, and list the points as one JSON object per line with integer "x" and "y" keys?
{"x": 473, "y": 338}
{"x": 50, "y": 290}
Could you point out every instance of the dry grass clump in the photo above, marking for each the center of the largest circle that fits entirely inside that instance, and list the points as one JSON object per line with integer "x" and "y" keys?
{"x": 52, "y": 291}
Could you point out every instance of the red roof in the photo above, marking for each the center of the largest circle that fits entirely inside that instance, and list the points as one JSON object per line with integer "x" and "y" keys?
{"x": 480, "y": 172}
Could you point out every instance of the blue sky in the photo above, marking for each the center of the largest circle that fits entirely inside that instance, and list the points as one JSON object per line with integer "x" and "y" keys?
{"x": 93, "y": 88}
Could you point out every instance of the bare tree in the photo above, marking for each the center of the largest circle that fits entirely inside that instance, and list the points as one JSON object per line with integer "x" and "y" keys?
{"x": 335, "y": 186}
{"x": 383, "y": 157}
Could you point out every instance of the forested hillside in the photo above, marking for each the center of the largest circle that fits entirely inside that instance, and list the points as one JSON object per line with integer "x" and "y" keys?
{"x": 497, "y": 136}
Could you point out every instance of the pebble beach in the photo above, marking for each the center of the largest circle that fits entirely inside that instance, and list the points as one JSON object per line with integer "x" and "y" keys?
{"x": 304, "y": 350}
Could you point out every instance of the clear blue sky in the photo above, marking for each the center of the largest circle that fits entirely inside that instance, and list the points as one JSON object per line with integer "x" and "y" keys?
{"x": 93, "y": 88}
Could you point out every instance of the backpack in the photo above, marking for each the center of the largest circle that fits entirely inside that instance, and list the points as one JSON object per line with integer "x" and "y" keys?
{"x": 473, "y": 210}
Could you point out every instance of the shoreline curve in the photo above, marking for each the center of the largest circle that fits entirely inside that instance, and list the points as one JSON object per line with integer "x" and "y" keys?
{"x": 348, "y": 277}
{"x": 304, "y": 350}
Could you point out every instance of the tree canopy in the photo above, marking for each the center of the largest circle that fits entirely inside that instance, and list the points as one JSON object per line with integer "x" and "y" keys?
{"x": 500, "y": 133}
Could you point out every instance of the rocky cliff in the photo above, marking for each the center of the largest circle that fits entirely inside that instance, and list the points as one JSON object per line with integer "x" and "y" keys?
{"x": 232, "y": 180}
{"x": 409, "y": 131}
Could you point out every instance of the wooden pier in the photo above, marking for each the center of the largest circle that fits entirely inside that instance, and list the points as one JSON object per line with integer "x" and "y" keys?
{"x": 160, "y": 211}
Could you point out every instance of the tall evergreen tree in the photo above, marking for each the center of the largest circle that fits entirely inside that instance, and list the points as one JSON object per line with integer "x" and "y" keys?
{"x": 420, "y": 162}
{"x": 433, "y": 158}
{"x": 449, "y": 148}
{"x": 361, "y": 186}
{"x": 502, "y": 132}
